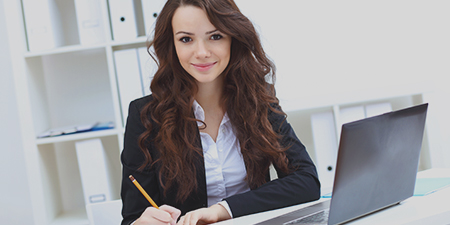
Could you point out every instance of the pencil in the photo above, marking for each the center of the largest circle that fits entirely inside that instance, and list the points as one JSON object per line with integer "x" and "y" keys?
{"x": 143, "y": 191}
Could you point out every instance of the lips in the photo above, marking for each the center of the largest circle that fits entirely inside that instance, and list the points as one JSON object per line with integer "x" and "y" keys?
{"x": 203, "y": 66}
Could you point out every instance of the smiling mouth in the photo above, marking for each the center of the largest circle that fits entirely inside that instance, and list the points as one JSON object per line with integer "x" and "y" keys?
{"x": 203, "y": 66}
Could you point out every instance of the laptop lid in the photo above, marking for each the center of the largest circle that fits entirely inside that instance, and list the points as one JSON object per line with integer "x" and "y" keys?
{"x": 377, "y": 163}
{"x": 376, "y": 167}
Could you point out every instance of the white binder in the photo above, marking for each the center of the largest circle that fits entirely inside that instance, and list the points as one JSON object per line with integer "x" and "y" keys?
{"x": 378, "y": 109}
{"x": 148, "y": 69}
{"x": 151, "y": 9}
{"x": 325, "y": 145}
{"x": 128, "y": 78}
{"x": 105, "y": 213}
{"x": 94, "y": 166}
{"x": 89, "y": 20}
{"x": 42, "y": 24}
{"x": 350, "y": 114}
{"x": 123, "y": 19}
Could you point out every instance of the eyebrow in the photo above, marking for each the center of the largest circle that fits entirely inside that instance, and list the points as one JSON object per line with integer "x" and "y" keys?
{"x": 188, "y": 33}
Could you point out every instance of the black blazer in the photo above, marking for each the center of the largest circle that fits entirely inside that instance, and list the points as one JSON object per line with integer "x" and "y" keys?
{"x": 300, "y": 186}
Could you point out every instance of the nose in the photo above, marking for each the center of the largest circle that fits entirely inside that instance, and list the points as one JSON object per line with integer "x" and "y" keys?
{"x": 202, "y": 50}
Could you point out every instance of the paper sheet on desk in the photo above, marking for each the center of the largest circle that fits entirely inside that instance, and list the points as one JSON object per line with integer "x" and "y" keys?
{"x": 424, "y": 186}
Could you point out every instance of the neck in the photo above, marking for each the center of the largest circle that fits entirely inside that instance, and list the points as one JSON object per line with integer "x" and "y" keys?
{"x": 209, "y": 95}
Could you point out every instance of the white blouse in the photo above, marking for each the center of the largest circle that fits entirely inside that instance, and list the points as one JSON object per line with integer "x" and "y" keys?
{"x": 224, "y": 164}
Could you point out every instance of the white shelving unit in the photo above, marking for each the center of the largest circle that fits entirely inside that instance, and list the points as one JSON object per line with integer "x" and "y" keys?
{"x": 72, "y": 84}
{"x": 299, "y": 115}
{"x": 76, "y": 84}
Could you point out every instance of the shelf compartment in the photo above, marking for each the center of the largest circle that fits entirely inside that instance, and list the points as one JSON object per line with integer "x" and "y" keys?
{"x": 61, "y": 179}
{"x": 70, "y": 89}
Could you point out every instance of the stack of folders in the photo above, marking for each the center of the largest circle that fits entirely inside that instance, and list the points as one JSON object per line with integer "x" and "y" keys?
{"x": 326, "y": 131}
{"x": 128, "y": 18}
{"x": 76, "y": 129}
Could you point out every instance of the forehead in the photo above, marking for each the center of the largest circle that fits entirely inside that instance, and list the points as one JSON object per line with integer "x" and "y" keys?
{"x": 191, "y": 19}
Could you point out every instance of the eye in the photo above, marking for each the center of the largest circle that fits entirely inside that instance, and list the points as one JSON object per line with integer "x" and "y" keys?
{"x": 185, "y": 39}
{"x": 216, "y": 37}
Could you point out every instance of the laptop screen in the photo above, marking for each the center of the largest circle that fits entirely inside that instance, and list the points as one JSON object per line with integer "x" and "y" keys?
{"x": 377, "y": 163}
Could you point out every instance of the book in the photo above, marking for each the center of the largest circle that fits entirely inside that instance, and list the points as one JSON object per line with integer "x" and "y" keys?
{"x": 423, "y": 186}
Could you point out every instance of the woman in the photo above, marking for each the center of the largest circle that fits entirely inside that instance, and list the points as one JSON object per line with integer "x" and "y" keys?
{"x": 202, "y": 143}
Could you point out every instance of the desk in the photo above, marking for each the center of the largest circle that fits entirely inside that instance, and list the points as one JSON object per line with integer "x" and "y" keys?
{"x": 433, "y": 209}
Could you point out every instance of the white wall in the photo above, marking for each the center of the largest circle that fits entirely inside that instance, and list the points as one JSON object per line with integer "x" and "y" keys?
{"x": 15, "y": 207}
{"x": 327, "y": 48}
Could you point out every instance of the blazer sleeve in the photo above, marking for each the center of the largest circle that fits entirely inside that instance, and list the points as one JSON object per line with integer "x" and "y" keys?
{"x": 300, "y": 186}
{"x": 134, "y": 203}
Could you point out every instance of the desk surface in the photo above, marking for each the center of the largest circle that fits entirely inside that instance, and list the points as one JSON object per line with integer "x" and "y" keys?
{"x": 433, "y": 208}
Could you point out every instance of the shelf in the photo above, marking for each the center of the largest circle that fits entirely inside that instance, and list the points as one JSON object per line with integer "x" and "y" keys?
{"x": 75, "y": 217}
{"x": 79, "y": 136}
{"x": 138, "y": 40}
{"x": 299, "y": 103}
{"x": 76, "y": 48}
{"x": 65, "y": 49}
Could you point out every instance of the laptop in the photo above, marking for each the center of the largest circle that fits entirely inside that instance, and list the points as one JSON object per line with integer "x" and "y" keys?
{"x": 376, "y": 168}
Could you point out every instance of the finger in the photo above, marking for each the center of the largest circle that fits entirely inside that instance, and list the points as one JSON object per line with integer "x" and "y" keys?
{"x": 158, "y": 214}
{"x": 174, "y": 212}
{"x": 194, "y": 218}
{"x": 181, "y": 221}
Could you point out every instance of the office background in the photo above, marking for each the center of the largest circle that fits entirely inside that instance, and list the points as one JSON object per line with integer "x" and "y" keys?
{"x": 319, "y": 47}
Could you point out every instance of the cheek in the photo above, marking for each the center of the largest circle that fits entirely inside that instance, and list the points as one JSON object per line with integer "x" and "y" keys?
{"x": 225, "y": 53}
{"x": 226, "y": 50}
{"x": 182, "y": 53}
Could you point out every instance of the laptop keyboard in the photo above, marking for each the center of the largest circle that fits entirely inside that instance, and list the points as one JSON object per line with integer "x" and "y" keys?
{"x": 320, "y": 217}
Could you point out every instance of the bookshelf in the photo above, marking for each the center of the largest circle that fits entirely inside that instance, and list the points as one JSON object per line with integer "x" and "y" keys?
{"x": 71, "y": 83}
{"x": 75, "y": 83}
{"x": 301, "y": 118}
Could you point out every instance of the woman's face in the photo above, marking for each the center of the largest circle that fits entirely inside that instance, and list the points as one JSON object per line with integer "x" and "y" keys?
{"x": 203, "y": 51}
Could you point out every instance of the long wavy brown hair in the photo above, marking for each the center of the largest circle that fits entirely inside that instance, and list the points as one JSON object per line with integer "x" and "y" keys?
{"x": 249, "y": 96}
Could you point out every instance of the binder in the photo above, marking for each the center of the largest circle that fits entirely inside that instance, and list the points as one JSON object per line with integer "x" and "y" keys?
{"x": 423, "y": 186}
{"x": 378, "y": 109}
{"x": 94, "y": 166}
{"x": 42, "y": 25}
{"x": 148, "y": 68}
{"x": 105, "y": 212}
{"x": 350, "y": 114}
{"x": 123, "y": 19}
{"x": 90, "y": 23}
{"x": 151, "y": 10}
{"x": 325, "y": 145}
{"x": 128, "y": 78}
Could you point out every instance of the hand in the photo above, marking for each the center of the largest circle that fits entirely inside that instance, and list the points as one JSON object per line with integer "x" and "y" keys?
{"x": 164, "y": 215}
{"x": 213, "y": 214}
